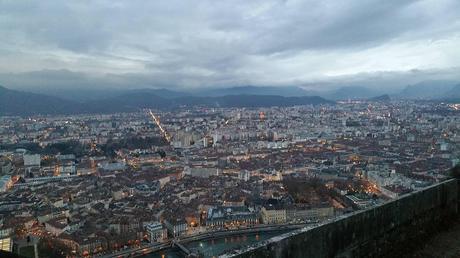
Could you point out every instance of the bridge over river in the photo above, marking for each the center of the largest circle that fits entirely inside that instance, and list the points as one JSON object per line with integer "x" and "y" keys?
{"x": 186, "y": 246}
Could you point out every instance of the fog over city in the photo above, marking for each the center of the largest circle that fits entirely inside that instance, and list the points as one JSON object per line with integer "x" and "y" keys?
{"x": 194, "y": 44}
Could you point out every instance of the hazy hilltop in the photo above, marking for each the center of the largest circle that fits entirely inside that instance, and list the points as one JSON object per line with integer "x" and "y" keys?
{"x": 90, "y": 94}
{"x": 286, "y": 91}
{"x": 15, "y": 102}
{"x": 23, "y": 103}
{"x": 454, "y": 92}
{"x": 381, "y": 98}
{"x": 87, "y": 94}
{"x": 351, "y": 92}
{"x": 428, "y": 90}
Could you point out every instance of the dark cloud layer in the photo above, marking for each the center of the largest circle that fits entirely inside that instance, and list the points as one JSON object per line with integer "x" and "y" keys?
{"x": 191, "y": 44}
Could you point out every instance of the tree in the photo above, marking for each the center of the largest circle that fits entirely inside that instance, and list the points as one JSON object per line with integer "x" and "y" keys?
{"x": 49, "y": 247}
{"x": 20, "y": 230}
{"x": 162, "y": 153}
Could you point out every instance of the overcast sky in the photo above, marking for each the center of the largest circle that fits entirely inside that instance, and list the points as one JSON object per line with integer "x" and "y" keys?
{"x": 205, "y": 43}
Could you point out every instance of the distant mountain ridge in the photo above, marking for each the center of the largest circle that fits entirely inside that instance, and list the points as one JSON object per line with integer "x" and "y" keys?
{"x": 454, "y": 92}
{"x": 135, "y": 101}
{"x": 423, "y": 90}
{"x": 286, "y": 91}
{"x": 253, "y": 101}
{"x": 23, "y": 103}
{"x": 428, "y": 90}
{"x": 14, "y": 102}
{"x": 381, "y": 98}
{"x": 84, "y": 95}
{"x": 17, "y": 103}
{"x": 352, "y": 92}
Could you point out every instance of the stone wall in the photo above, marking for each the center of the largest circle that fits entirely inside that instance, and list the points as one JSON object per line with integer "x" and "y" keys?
{"x": 388, "y": 230}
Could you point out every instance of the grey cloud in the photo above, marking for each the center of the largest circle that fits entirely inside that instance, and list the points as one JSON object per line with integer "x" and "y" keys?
{"x": 207, "y": 43}
{"x": 320, "y": 26}
{"x": 45, "y": 80}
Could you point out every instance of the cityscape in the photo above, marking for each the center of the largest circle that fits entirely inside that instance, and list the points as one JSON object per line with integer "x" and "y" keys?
{"x": 230, "y": 129}
{"x": 101, "y": 184}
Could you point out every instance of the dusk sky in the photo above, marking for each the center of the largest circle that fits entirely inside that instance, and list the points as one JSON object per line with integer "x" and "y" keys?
{"x": 209, "y": 43}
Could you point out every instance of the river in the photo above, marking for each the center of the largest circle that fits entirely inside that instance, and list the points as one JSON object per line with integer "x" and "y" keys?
{"x": 215, "y": 247}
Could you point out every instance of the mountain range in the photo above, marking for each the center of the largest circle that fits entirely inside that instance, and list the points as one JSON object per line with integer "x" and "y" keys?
{"x": 422, "y": 90}
{"x": 428, "y": 90}
{"x": 74, "y": 101}
{"x": 20, "y": 103}
{"x": 432, "y": 90}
